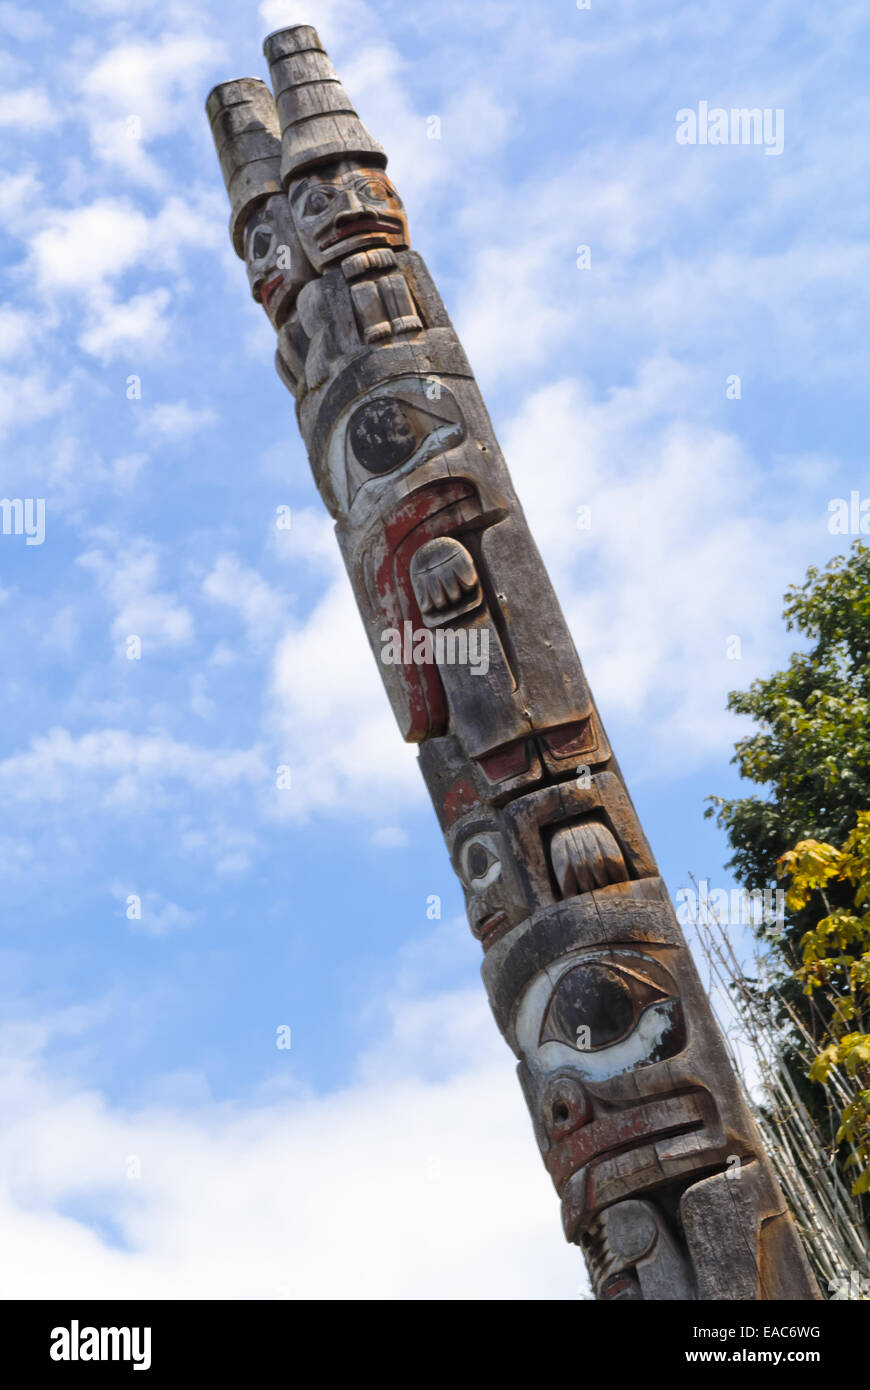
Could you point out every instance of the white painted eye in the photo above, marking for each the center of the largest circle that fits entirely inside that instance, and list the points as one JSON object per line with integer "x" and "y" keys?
{"x": 629, "y": 1018}
{"x": 480, "y": 861}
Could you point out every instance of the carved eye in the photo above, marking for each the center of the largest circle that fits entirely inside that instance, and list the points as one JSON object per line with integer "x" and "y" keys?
{"x": 606, "y": 1000}
{"x": 317, "y": 202}
{"x": 373, "y": 190}
{"x": 261, "y": 242}
{"x": 480, "y": 863}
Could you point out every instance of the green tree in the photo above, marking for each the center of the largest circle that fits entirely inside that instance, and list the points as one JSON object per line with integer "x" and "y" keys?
{"x": 809, "y": 754}
{"x": 812, "y": 745}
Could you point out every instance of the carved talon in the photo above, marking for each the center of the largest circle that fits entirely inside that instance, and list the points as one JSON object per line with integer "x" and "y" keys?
{"x": 445, "y": 580}
{"x": 585, "y": 857}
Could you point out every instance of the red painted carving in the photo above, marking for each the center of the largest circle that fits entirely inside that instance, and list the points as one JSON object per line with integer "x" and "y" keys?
{"x": 383, "y": 571}
{"x": 459, "y": 799}
{"x": 569, "y": 739}
{"x": 508, "y": 761}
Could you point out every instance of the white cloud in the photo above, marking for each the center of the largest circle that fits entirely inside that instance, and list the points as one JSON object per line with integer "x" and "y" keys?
{"x": 151, "y": 79}
{"x": 129, "y": 766}
{"x": 83, "y": 249}
{"x": 126, "y": 469}
{"x": 141, "y": 89}
{"x": 18, "y": 193}
{"x": 63, "y": 631}
{"x": 243, "y": 590}
{"x": 228, "y": 849}
{"x": 545, "y": 318}
{"x": 686, "y": 536}
{"x": 309, "y": 541}
{"x": 128, "y": 577}
{"x": 28, "y": 109}
{"x": 418, "y": 1179}
{"x": 16, "y": 857}
{"x": 26, "y": 399}
{"x": 663, "y": 232}
{"x": 17, "y": 332}
{"x": 389, "y": 837}
{"x": 157, "y": 916}
{"x": 175, "y": 419}
{"x": 331, "y": 722}
{"x": 200, "y": 704}
{"x": 476, "y": 120}
{"x": 116, "y": 329}
{"x": 23, "y": 24}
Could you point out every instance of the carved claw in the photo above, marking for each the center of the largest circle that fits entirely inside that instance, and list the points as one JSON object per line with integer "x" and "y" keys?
{"x": 445, "y": 580}
{"x": 585, "y": 857}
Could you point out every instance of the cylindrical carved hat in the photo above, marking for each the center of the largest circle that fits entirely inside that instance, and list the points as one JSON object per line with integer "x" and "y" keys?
{"x": 244, "y": 124}
{"x": 318, "y": 122}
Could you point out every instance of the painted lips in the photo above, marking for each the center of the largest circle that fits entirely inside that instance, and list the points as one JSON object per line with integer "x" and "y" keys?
{"x": 360, "y": 227}
{"x": 490, "y": 924}
{"x": 269, "y": 289}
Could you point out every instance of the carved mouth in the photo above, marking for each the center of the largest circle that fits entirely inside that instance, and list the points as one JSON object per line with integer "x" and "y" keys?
{"x": 633, "y": 1151}
{"x": 361, "y": 227}
{"x": 268, "y": 290}
{"x": 490, "y": 924}
{"x": 653, "y": 1120}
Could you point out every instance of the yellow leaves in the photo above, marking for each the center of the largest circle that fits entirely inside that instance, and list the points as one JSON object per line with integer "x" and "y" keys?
{"x": 855, "y": 1130}
{"x": 827, "y": 953}
{"x": 851, "y": 1051}
{"x": 862, "y": 1184}
{"x": 855, "y": 859}
{"x": 854, "y": 1051}
{"x": 810, "y": 865}
{"x": 835, "y": 957}
{"x": 845, "y": 1012}
{"x": 821, "y": 1067}
{"x": 861, "y": 973}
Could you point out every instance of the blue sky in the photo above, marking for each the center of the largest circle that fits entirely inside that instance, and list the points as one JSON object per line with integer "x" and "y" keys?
{"x": 387, "y": 1152}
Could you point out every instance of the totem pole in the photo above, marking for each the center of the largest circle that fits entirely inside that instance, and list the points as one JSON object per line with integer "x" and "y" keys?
{"x": 662, "y": 1178}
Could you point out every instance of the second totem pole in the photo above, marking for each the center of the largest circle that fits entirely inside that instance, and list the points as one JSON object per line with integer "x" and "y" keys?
{"x": 640, "y": 1120}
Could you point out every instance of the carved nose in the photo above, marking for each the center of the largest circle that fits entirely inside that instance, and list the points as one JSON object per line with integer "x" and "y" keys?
{"x": 566, "y": 1107}
{"x": 352, "y": 209}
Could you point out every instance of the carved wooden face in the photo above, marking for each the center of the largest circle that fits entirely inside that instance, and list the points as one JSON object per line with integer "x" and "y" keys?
{"x": 485, "y": 864}
{"x": 273, "y": 258}
{"x": 343, "y": 208}
{"x": 615, "y": 1085}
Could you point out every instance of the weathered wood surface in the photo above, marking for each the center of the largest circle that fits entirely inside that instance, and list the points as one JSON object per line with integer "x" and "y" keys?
{"x": 640, "y": 1121}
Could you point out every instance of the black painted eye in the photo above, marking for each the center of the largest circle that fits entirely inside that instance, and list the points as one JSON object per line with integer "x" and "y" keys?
{"x": 479, "y": 860}
{"x": 603, "y": 1001}
{"x": 382, "y": 435}
{"x": 262, "y": 241}
{"x": 316, "y": 203}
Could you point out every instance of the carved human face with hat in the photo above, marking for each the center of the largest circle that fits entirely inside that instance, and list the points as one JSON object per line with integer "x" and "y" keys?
{"x": 346, "y": 207}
